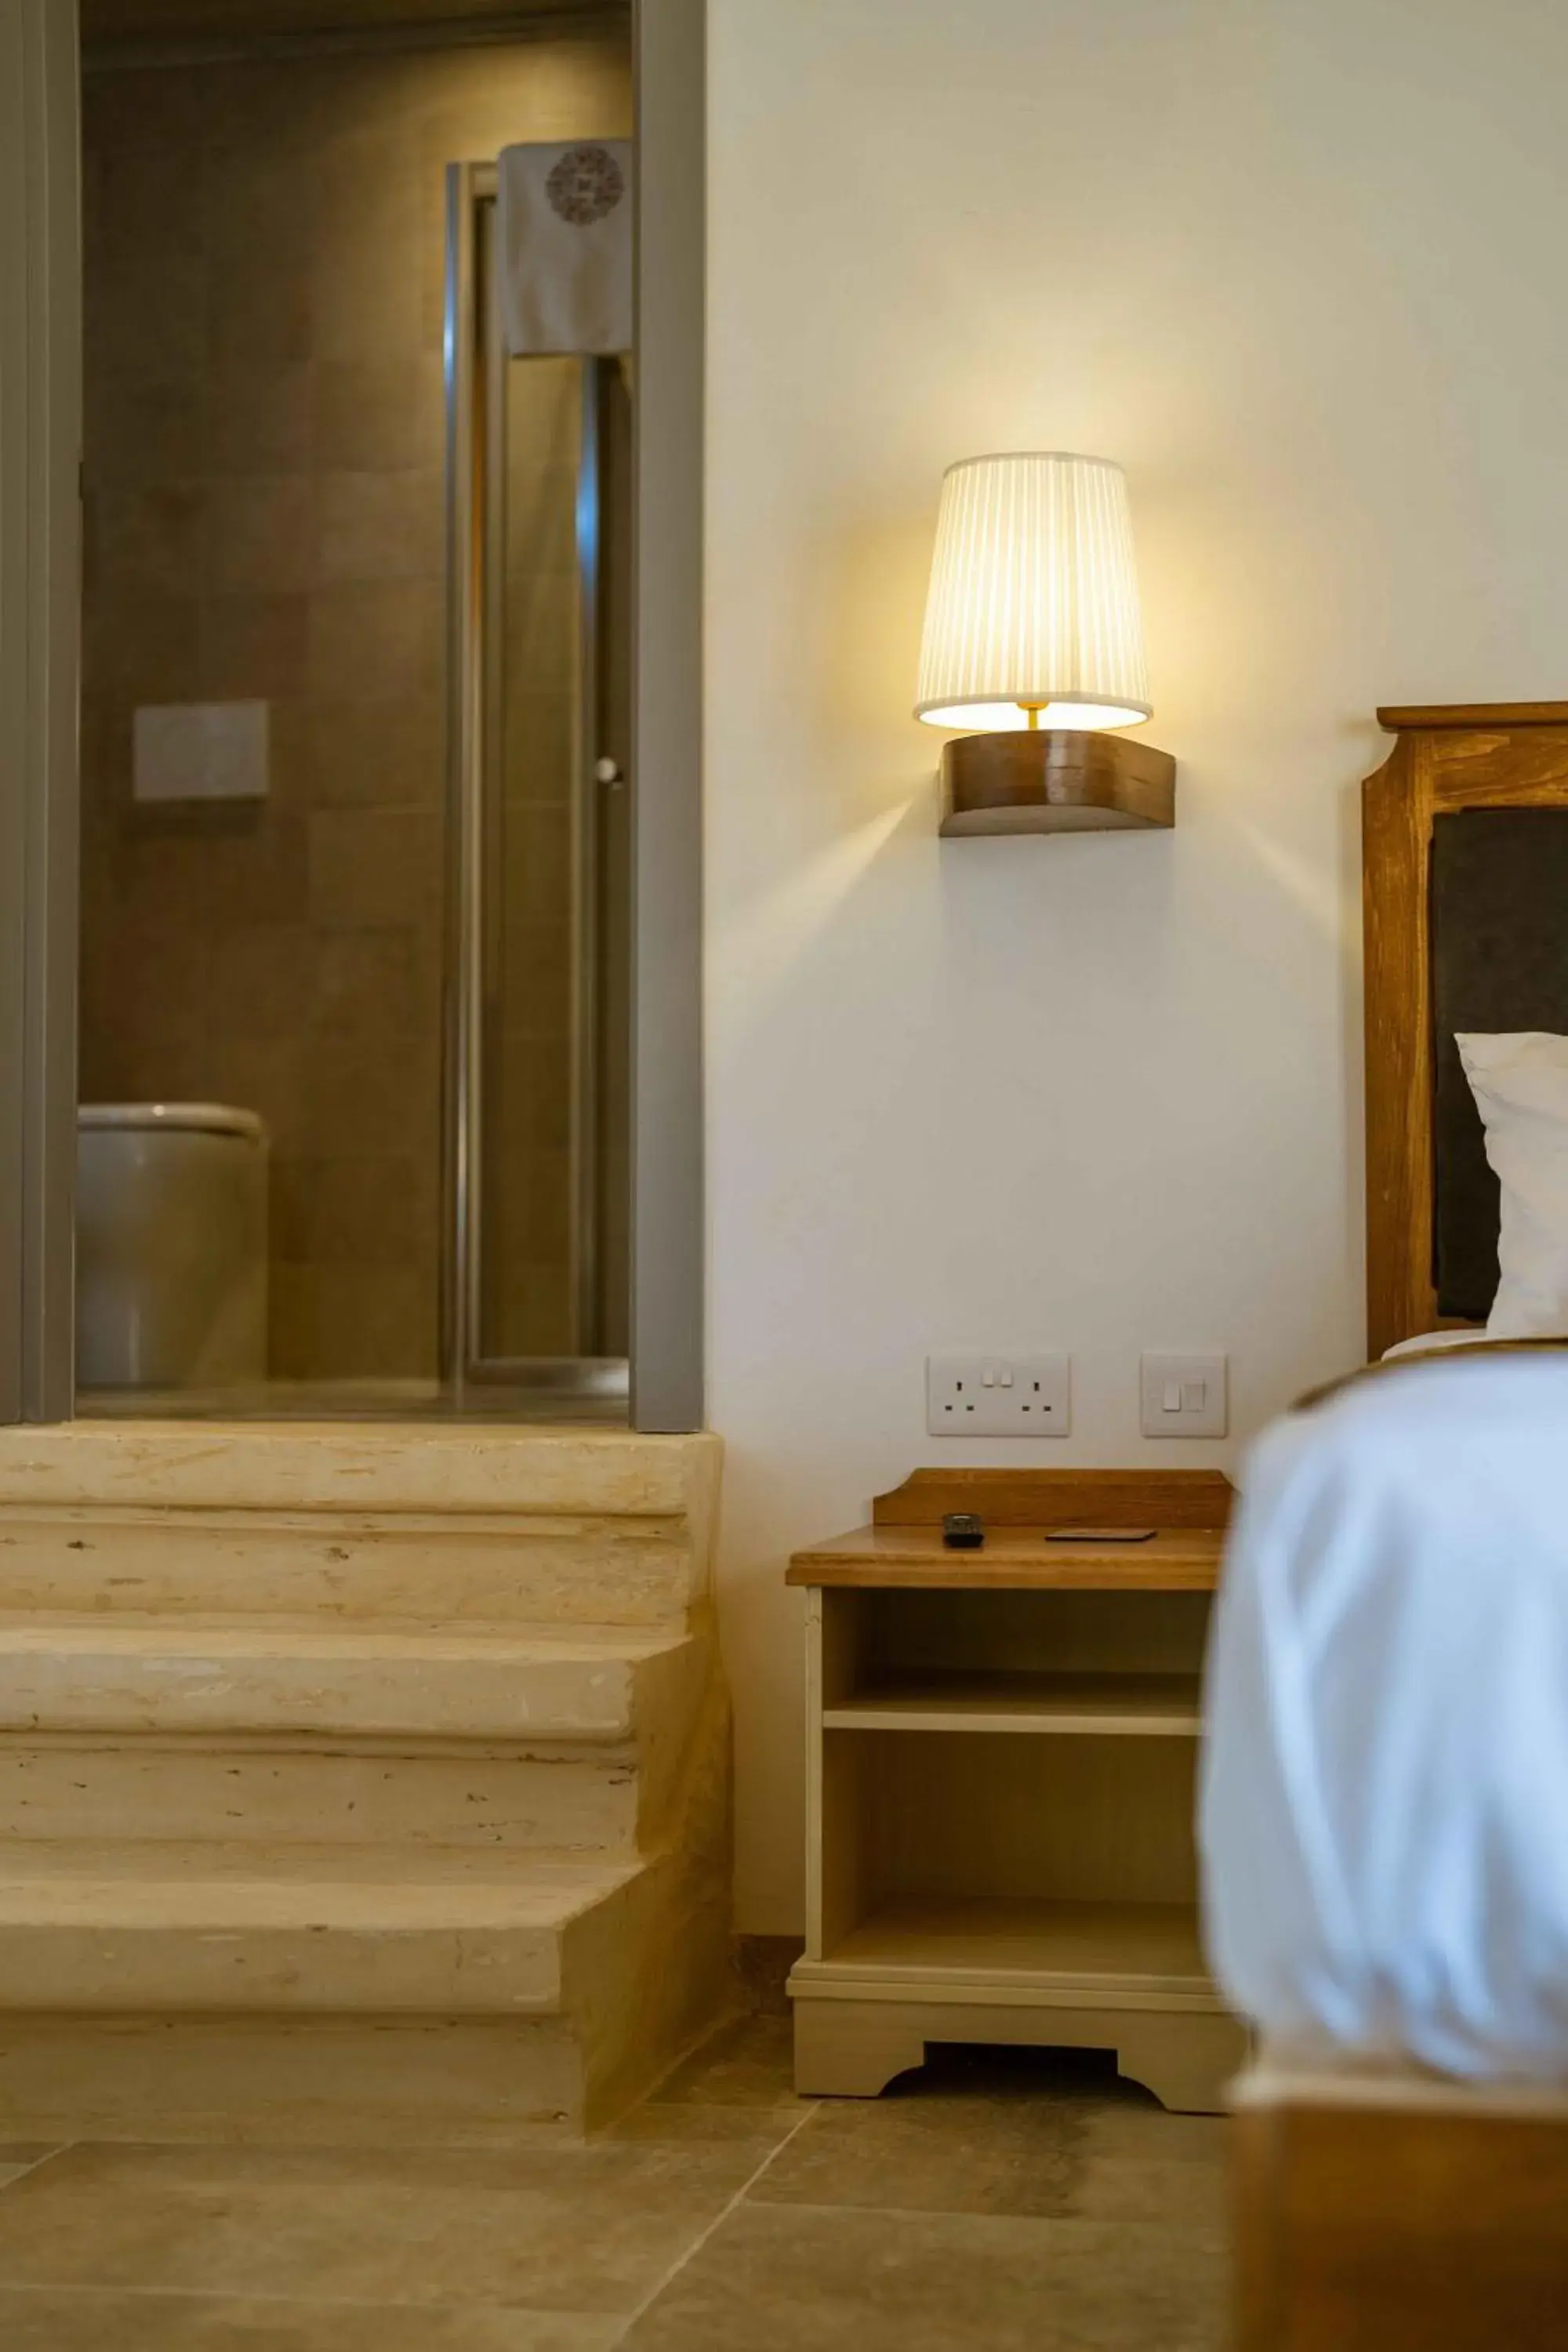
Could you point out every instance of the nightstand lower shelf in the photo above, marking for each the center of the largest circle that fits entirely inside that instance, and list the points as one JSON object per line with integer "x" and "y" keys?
{"x": 1128, "y": 1976}
{"x": 1147, "y": 1946}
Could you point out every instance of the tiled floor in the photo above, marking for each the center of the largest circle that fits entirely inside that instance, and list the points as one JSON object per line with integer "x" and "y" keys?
{"x": 998, "y": 2202}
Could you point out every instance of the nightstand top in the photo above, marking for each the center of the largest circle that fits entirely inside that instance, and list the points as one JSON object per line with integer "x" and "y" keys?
{"x": 904, "y": 1546}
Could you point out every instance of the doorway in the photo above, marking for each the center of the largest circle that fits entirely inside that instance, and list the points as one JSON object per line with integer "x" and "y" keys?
{"x": 419, "y": 959}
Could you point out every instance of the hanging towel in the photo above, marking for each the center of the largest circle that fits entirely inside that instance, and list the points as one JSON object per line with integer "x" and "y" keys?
{"x": 566, "y": 246}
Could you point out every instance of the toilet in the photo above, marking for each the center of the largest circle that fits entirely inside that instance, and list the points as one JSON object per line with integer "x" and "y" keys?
{"x": 171, "y": 1286}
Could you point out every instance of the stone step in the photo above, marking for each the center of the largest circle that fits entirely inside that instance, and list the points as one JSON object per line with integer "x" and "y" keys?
{"x": 414, "y": 1523}
{"x": 97, "y": 1674}
{"x": 537, "y": 1798}
{"x": 179, "y": 1992}
{"x": 161, "y": 1928}
{"x": 287, "y": 1734}
{"x": 355, "y": 1781}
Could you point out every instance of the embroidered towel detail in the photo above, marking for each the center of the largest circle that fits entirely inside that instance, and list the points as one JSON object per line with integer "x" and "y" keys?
{"x": 565, "y": 223}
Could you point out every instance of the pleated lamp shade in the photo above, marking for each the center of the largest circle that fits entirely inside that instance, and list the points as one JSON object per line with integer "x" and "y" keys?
{"x": 1033, "y": 614}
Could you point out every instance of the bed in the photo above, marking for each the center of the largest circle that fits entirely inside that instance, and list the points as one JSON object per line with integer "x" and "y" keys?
{"x": 1385, "y": 1804}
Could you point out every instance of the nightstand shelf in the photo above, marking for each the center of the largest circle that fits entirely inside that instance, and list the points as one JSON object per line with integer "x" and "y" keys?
{"x": 1055, "y": 1946}
{"x": 1156, "y": 1706}
{"x": 1002, "y": 1761}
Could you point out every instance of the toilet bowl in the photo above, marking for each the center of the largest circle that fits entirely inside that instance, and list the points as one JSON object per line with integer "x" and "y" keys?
{"x": 170, "y": 1284}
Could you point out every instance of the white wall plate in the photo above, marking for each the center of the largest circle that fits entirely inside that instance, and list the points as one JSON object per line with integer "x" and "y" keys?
{"x": 999, "y": 1396}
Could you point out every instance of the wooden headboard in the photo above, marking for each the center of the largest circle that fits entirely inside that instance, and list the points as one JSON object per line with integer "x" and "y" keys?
{"x": 1467, "y": 927}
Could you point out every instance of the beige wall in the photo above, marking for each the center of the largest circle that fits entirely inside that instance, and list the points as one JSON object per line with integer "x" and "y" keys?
{"x": 1297, "y": 264}
{"x": 265, "y": 518}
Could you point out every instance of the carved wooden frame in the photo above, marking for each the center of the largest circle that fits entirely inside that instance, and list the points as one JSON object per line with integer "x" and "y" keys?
{"x": 1445, "y": 757}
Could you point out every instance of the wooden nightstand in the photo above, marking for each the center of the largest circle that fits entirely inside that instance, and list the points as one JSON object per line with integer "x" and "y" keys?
{"x": 1000, "y": 1781}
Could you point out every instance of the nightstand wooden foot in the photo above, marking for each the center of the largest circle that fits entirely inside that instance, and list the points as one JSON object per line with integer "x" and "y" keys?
{"x": 1189, "y": 2062}
{"x": 852, "y": 2049}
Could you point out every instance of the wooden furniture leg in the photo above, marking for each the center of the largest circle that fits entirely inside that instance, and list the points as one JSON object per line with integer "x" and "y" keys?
{"x": 853, "y": 2049}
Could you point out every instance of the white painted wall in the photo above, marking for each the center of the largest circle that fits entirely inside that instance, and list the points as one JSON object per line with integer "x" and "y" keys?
{"x": 1299, "y": 264}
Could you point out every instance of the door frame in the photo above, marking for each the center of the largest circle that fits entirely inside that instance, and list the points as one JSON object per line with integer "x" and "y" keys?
{"x": 668, "y": 1225}
{"x": 40, "y": 473}
{"x": 40, "y": 529}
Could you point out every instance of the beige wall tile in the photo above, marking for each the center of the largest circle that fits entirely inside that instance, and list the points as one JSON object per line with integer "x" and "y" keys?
{"x": 139, "y": 433}
{"x": 359, "y": 1210}
{"x": 385, "y": 750}
{"x": 261, "y": 417}
{"x": 378, "y": 638}
{"x": 531, "y": 1096}
{"x": 538, "y": 867}
{"x": 266, "y": 1075}
{"x": 370, "y": 985}
{"x": 164, "y": 111}
{"x": 353, "y": 1322}
{"x": 257, "y": 866}
{"x": 147, "y": 321}
{"x": 366, "y": 287}
{"x": 536, "y": 965}
{"x": 356, "y": 1102}
{"x": 262, "y": 979}
{"x": 380, "y": 412}
{"x": 479, "y": 101}
{"x": 538, "y": 745}
{"x": 253, "y": 645}
{"x": 146, "y": 537}
{"x": 259, "y": 310}
{"x": 291, "y": 743}
{"x": 371, "y": 867}
{"x": 142, "y": 648}
{"x": 541, "y": 623}
{"x": 262, "y": 535}
{"x": 382, "y": 526}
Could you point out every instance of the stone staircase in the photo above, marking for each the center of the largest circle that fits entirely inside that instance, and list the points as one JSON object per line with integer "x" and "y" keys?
{"x": 355, "y": 1780}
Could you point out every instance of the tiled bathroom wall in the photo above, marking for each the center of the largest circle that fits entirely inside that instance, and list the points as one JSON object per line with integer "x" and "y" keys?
{"x": 265, "y": 520}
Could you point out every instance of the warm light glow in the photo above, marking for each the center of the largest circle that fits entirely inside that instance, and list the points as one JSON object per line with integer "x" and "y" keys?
{"x": 1034, "y": 599}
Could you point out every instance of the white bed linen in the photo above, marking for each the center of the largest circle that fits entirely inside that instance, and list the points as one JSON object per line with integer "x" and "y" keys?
{"x": 1384, "y": 1799}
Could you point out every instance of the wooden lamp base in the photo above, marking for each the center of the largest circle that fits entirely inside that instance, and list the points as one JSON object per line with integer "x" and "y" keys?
{"x": 1055, "y": 780}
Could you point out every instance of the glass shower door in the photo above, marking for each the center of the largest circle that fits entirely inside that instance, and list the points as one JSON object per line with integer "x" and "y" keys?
{"x": 538, "y": 1167}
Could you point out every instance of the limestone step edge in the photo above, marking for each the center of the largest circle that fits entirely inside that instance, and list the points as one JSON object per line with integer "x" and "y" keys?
{"x": 332, "y": 1468}
{"x": 162, "y": 1930}
{"x": 165, "y": 1675}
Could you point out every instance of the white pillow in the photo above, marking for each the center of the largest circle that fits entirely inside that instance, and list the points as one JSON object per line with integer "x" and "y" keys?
{"x": 1520, "y": 1086}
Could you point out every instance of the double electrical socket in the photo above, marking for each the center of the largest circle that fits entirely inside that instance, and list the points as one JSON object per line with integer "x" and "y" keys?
{"x": 998, "y": 1396}
{"x": 1031, "y": 1396}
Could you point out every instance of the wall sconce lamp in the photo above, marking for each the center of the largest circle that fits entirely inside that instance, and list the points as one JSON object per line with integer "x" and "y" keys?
{"x": 1033, "y": 635}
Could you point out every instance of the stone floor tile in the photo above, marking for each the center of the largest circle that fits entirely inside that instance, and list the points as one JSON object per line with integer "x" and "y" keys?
{"x": 1138, "y": 2126}
{"x": 1174, "y": 2194}
{"x": 750, "y": 2062}
{"x": 761, "y": 2128}
{"x": 568, "y": 2229}
{"x": 1015, "y": 2132}
{"x": 775, "y": 2278}
{"x": 48, "y": 2319}
{"x": 935, "y": 2156}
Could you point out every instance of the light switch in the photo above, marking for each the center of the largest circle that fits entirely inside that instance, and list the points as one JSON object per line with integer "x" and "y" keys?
{"x": 1185, "y": 1396}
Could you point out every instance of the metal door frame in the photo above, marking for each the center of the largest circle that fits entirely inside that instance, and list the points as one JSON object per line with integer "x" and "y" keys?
{"x": 41, "y": 479}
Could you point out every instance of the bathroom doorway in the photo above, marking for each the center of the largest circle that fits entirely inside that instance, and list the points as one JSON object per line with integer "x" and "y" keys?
{"x": 358, "y": 840}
